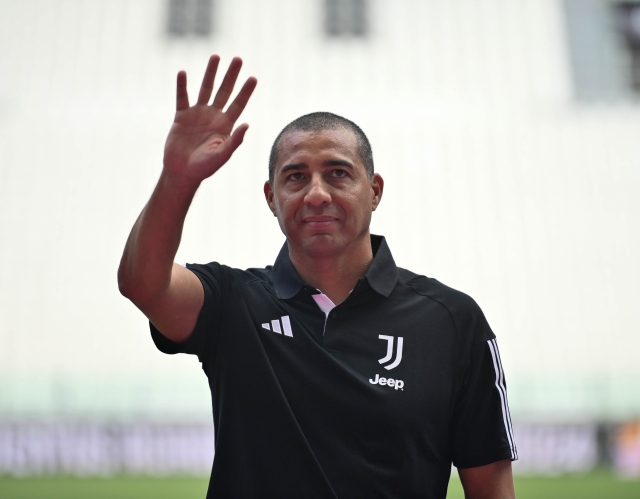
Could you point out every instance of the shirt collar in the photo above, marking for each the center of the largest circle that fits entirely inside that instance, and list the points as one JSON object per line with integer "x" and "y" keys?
{"x": 382, "y": 273}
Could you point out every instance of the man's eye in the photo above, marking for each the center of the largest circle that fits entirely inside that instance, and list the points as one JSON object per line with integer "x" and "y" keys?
{"x": 296, "y": 176}
{"x": 339, "y": 173}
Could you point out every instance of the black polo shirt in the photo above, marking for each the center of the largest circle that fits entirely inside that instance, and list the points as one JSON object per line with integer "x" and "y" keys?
{"x": 375, "y": 400}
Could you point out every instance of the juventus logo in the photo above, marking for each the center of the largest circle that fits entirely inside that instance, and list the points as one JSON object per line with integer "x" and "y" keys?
{"x": 277, "y": 328}
{"x": 387, "y": 357}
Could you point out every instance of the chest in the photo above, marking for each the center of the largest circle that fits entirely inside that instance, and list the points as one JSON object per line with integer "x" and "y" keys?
{"x": 392, "y": 358}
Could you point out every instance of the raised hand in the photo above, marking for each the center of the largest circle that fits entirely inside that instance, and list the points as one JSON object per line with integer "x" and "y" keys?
{"x": 201, "y": 138}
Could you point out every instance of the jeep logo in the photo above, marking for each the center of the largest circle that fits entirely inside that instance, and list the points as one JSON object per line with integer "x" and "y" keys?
{"x": 398, "y": 384}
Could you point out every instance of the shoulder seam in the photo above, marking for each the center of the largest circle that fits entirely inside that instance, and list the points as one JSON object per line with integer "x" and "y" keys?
{"x": 408, "y": 283}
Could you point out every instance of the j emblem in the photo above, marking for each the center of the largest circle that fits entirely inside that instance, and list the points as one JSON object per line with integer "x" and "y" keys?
{"x": 387, "y": 357}
{"x": 398, "y": 384}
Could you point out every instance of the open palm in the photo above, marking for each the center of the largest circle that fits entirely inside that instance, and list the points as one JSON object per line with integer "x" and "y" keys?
{"x": 201, "y": 138}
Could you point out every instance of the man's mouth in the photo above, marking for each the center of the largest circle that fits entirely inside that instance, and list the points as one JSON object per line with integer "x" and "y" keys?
{"x": 319, "y": 220}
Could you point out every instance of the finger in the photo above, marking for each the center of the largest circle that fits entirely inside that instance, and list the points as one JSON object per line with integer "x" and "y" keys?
{"x": 207, "y": 81}
{"x": 232, "y": 143}
{"x": 182, "y": 98}
{"x": 238, "y": 136}
{"x": 239, "y": 103}
{"x": 224, "y": 92}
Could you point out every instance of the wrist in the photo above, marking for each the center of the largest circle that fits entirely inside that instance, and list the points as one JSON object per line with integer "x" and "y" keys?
{"x": 178, "y": 182}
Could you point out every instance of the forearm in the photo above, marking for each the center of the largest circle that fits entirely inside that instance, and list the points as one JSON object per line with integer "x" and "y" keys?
{"x": 145, "y": 268}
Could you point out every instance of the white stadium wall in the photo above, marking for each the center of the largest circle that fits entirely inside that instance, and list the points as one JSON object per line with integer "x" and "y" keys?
{"x": 498, "y": 182}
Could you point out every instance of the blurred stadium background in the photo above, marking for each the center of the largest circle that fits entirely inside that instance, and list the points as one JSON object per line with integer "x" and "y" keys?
{"x": 508, "y": 135}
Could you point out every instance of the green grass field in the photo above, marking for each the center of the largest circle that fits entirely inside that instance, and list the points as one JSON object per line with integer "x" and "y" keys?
{"x": 599, "y": 485}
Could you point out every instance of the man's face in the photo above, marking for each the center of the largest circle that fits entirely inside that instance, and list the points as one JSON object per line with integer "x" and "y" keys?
{"x": 320, "y": 193}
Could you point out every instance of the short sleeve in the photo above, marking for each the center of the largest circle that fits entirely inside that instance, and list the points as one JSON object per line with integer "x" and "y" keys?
{"x": 482, "y": 432}
{"x": 200, "y": 342}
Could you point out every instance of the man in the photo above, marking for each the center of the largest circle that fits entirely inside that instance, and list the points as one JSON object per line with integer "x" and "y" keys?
{"x": 334, "y": 373}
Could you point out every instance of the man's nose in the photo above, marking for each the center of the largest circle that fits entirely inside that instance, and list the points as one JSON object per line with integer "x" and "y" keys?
{"x": 318, "y": 193}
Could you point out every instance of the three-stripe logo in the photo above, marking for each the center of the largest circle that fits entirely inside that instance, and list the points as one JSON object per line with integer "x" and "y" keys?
{"x": 277, "y": 327}
{"x": 502, "y": 390}
{"x": 387, "y": 357}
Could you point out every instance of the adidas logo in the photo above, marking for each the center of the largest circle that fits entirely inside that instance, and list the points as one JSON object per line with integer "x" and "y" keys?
{"x": 277, "y": 327}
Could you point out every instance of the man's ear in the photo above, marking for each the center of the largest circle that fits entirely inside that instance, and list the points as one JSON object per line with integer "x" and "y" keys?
{"x": 268, "y": 195}
{"x": 377, "y": 186}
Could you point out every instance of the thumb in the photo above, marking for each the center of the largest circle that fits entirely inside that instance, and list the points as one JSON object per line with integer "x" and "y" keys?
{"x": 232, "y": 143}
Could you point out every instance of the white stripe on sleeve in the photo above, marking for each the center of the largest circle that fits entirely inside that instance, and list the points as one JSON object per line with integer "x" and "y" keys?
{"x": 502, "y": 390}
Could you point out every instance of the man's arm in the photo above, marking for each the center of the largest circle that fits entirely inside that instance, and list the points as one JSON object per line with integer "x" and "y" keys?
{"x": 200, "y": 142}
{"x": 492, "y": 481}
